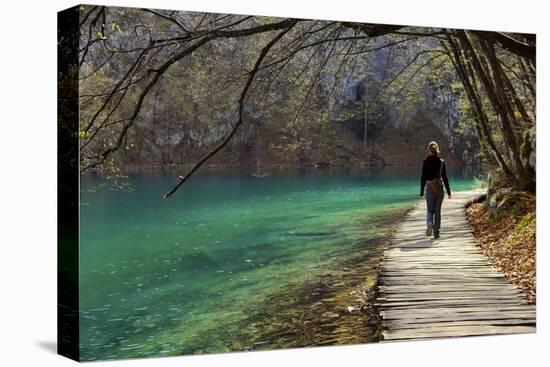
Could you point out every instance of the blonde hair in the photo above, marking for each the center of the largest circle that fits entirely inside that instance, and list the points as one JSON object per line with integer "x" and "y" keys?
{"x": 433, "y": 148}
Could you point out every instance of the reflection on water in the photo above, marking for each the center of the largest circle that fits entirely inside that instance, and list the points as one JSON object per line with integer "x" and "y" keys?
{"x": 233, "y": 261}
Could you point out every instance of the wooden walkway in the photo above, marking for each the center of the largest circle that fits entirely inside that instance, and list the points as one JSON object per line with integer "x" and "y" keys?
{"x": 442, "y": 288}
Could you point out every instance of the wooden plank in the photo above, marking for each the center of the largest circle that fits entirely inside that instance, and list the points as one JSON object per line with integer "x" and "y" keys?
{"x": 399, "y": 325}
{"x": 420, "y": 333}
{"x": 444, "y": 286}
{"x": 447, "y": 303}
{"x": 424, "y": 320}
{"x": 447, "y": 280}
{"x": 435, "y": 298}
{"x": 436, "y": 272}
{"x": 427, "y": 292}
{"x": 448, "y": 312}
{"x": 479, "y": 309}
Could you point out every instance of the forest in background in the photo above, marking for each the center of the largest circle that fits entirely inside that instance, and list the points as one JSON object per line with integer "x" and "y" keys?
{"x": 179, "y": 90}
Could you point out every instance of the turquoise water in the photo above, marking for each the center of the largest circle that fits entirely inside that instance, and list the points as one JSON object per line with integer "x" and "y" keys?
{"x": 195, "y": 273}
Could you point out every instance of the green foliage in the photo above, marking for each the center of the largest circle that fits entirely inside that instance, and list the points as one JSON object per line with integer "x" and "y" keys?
{"x": 527, "y": 221}
{"x": 115, "y": 27}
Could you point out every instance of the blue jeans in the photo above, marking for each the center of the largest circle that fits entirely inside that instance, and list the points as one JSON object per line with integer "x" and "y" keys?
{"x": 434, "y": 200}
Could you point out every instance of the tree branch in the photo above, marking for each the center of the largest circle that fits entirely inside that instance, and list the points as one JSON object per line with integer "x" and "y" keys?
{"x": 253, "y": 72}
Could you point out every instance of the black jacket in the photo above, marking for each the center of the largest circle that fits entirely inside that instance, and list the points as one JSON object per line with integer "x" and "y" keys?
{"x": 430, "y": 171}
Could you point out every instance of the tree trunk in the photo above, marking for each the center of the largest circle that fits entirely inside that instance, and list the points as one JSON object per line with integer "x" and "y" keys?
{"x": 500, "y": 107}
{"x": 482, "y": 123}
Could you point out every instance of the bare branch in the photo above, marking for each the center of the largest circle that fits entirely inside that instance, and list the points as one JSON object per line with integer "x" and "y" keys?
{"x": 253, "y": 72}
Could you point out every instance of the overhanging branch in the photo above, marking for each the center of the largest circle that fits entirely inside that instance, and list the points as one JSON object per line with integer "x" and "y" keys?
{"x": 239, "y": 122}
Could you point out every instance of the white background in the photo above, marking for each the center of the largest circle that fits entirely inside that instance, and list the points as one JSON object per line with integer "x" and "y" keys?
{"x": 28, "y": 182}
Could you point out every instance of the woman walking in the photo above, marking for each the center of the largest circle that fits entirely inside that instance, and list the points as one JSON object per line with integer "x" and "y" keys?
{"x": 433, "y": 173}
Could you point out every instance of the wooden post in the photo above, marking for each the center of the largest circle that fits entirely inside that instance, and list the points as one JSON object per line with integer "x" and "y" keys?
{"x": 366, "y": 116}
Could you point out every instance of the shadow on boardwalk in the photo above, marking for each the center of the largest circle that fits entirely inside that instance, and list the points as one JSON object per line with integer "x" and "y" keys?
{"x": 441, "y": 288}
